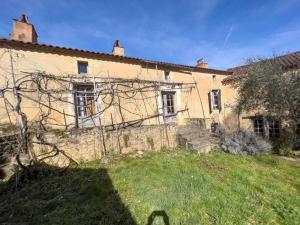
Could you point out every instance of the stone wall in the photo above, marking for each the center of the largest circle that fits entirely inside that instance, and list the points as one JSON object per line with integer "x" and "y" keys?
{"x": 9, "y": 146}
{"x": 82, "y": 145}
{"x": 9, "y": 149}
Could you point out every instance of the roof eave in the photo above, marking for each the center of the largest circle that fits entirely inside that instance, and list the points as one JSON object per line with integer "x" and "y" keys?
{"x": 98, "y": 55}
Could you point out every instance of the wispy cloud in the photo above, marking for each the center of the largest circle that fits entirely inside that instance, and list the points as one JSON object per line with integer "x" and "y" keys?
{"x": 180, "y": 32}
{"x": 228, "y": 36}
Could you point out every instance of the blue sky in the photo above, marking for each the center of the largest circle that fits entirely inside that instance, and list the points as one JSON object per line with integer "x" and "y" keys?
{"x": 222, "y": 32}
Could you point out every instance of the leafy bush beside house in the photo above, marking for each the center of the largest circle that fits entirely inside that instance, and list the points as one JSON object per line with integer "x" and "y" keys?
{"x": 271, "y": 88}
{"x": 243, "y": 142}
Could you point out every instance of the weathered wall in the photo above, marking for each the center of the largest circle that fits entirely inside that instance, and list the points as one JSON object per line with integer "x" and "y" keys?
{"x": 8, "y": 147}
{"x": 195, "y": 99}
{"x": 85, "y": 144}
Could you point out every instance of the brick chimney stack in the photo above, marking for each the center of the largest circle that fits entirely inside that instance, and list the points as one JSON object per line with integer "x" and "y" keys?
{"x": 201, "y": 64}
{"x": 23, "y": 30}
{"x": 117, "y": 49}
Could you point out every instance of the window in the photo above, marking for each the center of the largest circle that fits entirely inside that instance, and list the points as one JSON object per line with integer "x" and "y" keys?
{"x": 274, "y": 128}
{"x": 85, "y": 101}
{"x": 298, "y": 130}
{"x": 167, "y": 76}
{"x": 267, "y": 127}
{"x": 82, "y": 67}
{"x": 214, "y": 100}
{"x": 168, "y": 103}
{"x": 258, "y": 125}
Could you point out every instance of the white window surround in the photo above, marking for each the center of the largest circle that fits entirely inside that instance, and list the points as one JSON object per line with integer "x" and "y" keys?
{"x": 168, "y": 88}
{"x": 215, "y": 99}
{"x": 89, "y": 120}
{"x": 169, "y": 102}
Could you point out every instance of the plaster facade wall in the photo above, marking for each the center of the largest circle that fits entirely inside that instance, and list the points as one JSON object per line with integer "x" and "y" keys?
{"x": 193, "y": 99}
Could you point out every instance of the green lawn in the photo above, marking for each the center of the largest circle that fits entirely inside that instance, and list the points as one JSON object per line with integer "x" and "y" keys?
{"x": 181, "y": 187}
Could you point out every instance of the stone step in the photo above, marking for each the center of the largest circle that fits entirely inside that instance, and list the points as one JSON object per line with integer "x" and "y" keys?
{"x": 196, "y": 139}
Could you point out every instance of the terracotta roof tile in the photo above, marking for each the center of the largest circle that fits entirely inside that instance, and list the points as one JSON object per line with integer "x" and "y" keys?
{"x": 98, "y": 55}
{"x": 288, "y": 62}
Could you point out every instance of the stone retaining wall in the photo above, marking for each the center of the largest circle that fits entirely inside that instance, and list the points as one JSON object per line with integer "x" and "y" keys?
{"x": 82, "y": 145}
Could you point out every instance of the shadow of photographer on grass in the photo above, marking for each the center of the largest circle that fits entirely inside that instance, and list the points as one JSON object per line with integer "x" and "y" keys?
{"x": 76, "y": 196}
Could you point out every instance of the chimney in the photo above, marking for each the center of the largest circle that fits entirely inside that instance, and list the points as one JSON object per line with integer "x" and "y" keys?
{"x": 23, "y": 30}
{"x": 201, "y": 64}
{"x": 117, "y": 49}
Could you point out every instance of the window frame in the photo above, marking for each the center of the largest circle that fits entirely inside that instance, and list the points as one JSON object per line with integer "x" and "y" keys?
{"x": 82, "y": 63}
{"x": 167, "y": 75}
{"x": 85, "y": 100}
{"x": 168, "y": 103}
{"x": 215, "y": 101}
{"x": 297, "y": 130}
{"x": 274, "y": 127}
{"x": 258, "y": 127}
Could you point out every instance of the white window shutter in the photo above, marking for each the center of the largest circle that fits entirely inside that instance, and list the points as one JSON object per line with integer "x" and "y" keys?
{"x": 165, "y": 104}
{"x": 210, "y": 101}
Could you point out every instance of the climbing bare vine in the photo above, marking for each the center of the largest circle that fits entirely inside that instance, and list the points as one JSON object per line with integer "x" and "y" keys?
{"x": 53, "y": 99}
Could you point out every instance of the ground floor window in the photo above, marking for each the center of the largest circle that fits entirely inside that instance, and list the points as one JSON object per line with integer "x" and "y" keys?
{"x": 274, "y": 128}
{"x": 266, "y": 127}
{"x": 298, "y": 130}
{"x": 168, "y": 99}
{"x": 84, "y": 100}
{"x": 214, "y": 97}
{"x": 169, "y": 106}
{"x": 258, "y": 126}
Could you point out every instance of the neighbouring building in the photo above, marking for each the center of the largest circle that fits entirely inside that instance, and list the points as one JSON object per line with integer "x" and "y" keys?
{"x": 107, "y": 86}
{"x": 265, "y": 125}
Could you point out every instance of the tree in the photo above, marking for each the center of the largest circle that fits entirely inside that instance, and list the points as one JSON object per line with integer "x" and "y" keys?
{"x": 265, "y": 85}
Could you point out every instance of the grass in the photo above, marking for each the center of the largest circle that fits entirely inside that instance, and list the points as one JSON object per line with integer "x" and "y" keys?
{"x": 178, "y": 186}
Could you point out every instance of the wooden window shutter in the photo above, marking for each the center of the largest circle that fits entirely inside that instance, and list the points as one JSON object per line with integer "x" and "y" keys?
{"x": 210, "y": 102}
{"x": 219, "y": 101}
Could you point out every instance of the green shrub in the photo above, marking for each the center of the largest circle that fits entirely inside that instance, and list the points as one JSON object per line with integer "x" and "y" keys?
{"x": 164, "y": 149}
{"x": 282, "y": 150}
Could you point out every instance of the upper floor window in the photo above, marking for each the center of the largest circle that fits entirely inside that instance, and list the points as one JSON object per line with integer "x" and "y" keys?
{"x": 214, "y": 99}
{"x": 167, "y": 75}
{"x": 82, "y": 67}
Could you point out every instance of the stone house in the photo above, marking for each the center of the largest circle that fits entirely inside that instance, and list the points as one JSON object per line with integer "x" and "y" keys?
{"x": 180, "y": 93}
{"x": 264, "y": 125}
{"x": 65, "y": 88}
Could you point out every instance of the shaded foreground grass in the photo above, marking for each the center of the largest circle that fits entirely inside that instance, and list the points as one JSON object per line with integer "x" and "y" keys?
{"x": 175, "y": 186}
